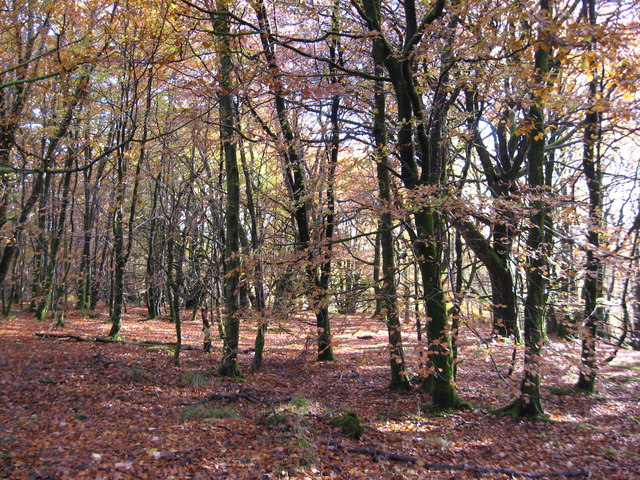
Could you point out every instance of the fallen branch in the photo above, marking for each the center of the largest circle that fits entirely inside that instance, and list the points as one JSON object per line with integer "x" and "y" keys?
{"x": 222, "y": 396}
{"x": 153, "y": 343}
{"x": 77, "y": 338}
{"x": 232, "y": 396}
{"x": 443, "y": 466}
{"x": 140, "y": 343}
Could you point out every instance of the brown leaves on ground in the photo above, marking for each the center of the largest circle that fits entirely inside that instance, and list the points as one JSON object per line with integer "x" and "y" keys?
{"x": 92, "y": 410}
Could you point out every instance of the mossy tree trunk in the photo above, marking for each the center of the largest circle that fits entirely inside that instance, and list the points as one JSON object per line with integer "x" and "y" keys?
{"x": 501, "y": 170}
{"x": 592, "y": 288}
{"x": 530, "y": 401}
{"x": 376, "y": 274}
{"x": 231, "y": 324}
{"x": 387, "y": 297}
{"x": 420, "y": 169}
{"x": 503, "y": 292}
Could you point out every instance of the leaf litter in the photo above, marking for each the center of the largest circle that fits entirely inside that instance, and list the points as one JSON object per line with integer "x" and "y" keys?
{"x": 93, "y": 410}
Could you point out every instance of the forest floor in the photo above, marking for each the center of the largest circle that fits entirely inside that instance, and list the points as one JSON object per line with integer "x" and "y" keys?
{"x": 90, "y": 410}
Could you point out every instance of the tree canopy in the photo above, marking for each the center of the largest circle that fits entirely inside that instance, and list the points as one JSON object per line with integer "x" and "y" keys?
{"x": 435, "y": 164}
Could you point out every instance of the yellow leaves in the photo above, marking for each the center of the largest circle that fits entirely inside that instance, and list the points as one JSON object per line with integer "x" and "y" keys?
{"x": 153, "y": 452}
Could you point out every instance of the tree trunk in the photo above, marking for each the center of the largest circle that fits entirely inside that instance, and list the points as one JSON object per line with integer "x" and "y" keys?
{"x": 48, "y": 287}
{"x": 504, "y": 299}
{"x": 387, "y": 302}
{"x": 153, "y": 287}
{"x": 399, "y": 66}
{"x": 592, "y": 288}
{"x": 122, "y": 249}
{"x": 325, "y": 349}
{"x": 376, "y": 276}
{"x": 258, "y": 283}
{"x": 41, "y": 244}
{"x": 175, "y": 258}
{"x": 87, "y": 260}
{"x": 501, "y": 171}
{"x": 120, "y": 262}
{"x": 231, "y": 331}
{"x": 530, "y": 401}
{"x": 297, "y": 185}
{"x": 635, "y": 289}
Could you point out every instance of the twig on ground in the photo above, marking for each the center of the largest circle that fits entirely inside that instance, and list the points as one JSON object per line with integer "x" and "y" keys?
{"x": 141, "y": 343}
{"x": 77, "y": 338}
{"x": 273, "y": 411}
{"x": 443, "y": 466}
{"x": 229, "y": 396}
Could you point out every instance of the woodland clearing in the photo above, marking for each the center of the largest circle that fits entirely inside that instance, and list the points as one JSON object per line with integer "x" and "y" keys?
{"x": 88, "y": 409}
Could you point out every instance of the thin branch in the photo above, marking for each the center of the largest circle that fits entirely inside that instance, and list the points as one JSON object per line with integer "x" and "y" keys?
{"x": 455, "y": 467}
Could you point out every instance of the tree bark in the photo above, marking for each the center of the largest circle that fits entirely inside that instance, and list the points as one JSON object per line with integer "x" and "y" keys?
{"x": 387, "y": 303}
{"x": 530, "y": 401}
{"x": 229, "y": 361}
{"x": 425, "y": 173}
{"x": 592, "y": 288}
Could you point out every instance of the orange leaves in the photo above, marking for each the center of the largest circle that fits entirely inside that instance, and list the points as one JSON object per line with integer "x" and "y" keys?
{"x": 134, "y": 430}
{"x": 541, "y": 45}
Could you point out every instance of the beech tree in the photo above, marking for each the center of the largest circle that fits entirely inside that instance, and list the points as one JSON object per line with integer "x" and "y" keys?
{"x": 298, "y": 188}
{"x": 530, "y": 401}
{"x": 231, "y": 327}
{"x": 37, "y": 48}
{"x": 386, "y": 295}
{"x": 419, "y": 170}
{"x": 216, "y": 159}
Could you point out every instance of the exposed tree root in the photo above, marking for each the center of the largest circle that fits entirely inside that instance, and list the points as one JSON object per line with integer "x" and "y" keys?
{"x": 524, "y": 406}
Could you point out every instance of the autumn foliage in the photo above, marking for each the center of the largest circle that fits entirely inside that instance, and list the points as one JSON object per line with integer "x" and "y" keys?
{"x": 268, "y": 238}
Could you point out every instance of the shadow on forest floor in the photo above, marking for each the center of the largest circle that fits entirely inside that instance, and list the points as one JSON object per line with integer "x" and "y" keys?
{"x": 73, "y": 409}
